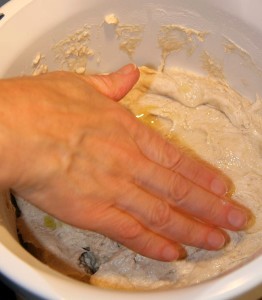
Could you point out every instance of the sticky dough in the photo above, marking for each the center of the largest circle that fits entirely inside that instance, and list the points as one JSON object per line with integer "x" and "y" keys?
{"x": 203, "y": 116}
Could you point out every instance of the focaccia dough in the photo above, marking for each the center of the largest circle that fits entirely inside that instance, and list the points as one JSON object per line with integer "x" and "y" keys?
{"x": 213, "y": 122}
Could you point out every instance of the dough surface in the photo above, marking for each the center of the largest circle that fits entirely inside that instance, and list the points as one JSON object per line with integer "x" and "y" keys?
{"x": 210, "y": 120}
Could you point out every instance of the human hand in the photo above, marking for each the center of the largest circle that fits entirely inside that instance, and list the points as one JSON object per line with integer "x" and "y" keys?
{"x": 74, "y": 153}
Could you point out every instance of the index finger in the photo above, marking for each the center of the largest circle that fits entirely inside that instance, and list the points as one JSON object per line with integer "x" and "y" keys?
{"x": 170, "y": 156}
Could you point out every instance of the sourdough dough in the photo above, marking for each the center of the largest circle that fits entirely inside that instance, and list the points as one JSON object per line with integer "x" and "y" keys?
{"x": 217, "y": 124}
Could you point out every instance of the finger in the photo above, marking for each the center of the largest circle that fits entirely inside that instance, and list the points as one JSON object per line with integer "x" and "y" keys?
{"x": 121, "y": 227}
{"x": 202, "y": 174}
{"x": 159, "y": 216}
{"x": 189, "y": 197}
{"x": 162, "y": 152}
{"x": 115, "y": 85}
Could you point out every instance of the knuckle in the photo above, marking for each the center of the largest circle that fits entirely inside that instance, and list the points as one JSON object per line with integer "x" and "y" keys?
{"x": 160, "y": 214}
{"x": 129, "y": 230}
{"x": 193, "y": 236}
{"x": 187, "y": 232}
{"x": 212, "y": 210}
{"x": 179, "y": 189}
{"x": 171, "y": 156}
{"x": 146, "y": 246}
{"x": 149, "y": 247}
{"x": 195, "y": 171}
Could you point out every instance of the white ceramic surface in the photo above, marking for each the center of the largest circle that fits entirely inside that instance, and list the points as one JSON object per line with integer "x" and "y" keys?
{"x": 30, "y": 26}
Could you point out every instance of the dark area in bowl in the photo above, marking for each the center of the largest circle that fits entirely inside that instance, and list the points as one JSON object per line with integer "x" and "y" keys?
{"x": 6, "y": 292}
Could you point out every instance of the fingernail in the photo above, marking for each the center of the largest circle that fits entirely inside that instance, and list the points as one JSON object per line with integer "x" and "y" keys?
{"x": 170, "y": 253}
{"x": 182, "y": 253}
{"x": 218, "y": 187}
{"x": 173, "y": 253}
{"x": 237, "y": 218}
{"x": 127, "y": 69}
{"x": 216, "y": 239}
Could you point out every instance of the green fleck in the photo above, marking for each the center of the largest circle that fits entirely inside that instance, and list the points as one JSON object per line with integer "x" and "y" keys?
{"x": 50, "y": 222}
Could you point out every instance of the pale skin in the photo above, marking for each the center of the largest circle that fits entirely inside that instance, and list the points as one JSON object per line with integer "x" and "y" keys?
{"x": 69, "y": 147}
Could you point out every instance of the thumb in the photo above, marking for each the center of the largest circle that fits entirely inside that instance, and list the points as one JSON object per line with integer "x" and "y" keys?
{"x": 117, "y": 84}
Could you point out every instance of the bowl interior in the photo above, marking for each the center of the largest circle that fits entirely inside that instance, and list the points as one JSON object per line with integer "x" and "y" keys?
{"x": 219, "y": 30}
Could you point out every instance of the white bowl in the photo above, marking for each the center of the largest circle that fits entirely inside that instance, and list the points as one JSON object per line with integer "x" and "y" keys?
{"x": 30, "y": 26}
